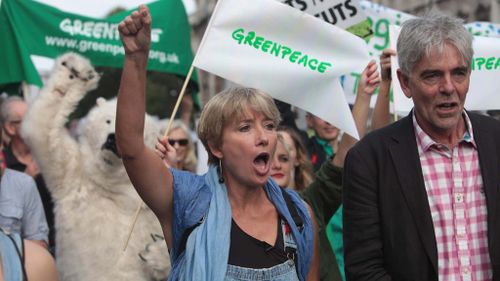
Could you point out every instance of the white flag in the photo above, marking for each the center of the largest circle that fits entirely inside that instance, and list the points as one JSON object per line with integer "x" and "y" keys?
{"x": 289, "y": 54}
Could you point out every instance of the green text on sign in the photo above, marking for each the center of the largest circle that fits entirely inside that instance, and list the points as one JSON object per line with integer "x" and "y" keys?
{"x": 278, "y": 50}
{"x": 491, "y": 63}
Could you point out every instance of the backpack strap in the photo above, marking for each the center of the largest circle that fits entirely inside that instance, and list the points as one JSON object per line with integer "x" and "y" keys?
{"x": 12, "y": 253}
{"x": 185, "y": 234}
{"x": 289, "y": 241}
{"x": 293, "y": 210}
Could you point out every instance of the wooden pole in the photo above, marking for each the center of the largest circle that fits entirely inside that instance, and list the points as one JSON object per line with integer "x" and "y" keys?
{"x": 179, "y": 99}
{"x": 136, "y": 216}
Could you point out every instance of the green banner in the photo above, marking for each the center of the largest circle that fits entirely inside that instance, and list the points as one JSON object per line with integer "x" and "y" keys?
{"x": 31, "y": 28}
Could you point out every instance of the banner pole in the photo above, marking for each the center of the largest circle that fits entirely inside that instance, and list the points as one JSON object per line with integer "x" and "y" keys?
{"x": 395, "y": 116}
{"x": 179, "y": 99}
{"x": 136, "y": 215}
{"x": 26, "y": 92}
{"x": 391, "y": 93}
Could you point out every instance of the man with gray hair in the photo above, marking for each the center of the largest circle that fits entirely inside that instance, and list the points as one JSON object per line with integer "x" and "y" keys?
{"x": 17, "y": 154}
{"x": 421, "y": 195}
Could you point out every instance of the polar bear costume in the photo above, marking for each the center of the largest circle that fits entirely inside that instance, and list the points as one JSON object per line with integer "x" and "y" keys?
{"x": 94, "y": 200}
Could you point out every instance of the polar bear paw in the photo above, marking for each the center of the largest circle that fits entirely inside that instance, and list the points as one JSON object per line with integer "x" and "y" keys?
{"x": 72, "y": 71}
{"x": 155, "y": 258}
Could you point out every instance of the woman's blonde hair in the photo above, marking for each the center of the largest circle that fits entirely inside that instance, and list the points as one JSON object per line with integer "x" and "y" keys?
{"x": 303, "y": 174}
{"x": 226, "y": 107}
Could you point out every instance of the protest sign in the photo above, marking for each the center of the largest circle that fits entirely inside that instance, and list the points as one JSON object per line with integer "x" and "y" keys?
{"x": 292, "y": 56}
{"x": 402, "y": 104}
{"x": 380, "y": 17}
{"x": 346, "y": 14}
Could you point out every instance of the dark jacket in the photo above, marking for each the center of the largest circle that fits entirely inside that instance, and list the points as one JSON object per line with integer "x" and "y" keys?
{"x": 316, "y": 153}
{"x": 388, "y": 228}
{"x": 324, "y": 196}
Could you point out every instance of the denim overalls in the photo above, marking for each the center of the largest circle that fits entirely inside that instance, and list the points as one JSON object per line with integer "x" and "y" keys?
{"x": 282, "y": 272}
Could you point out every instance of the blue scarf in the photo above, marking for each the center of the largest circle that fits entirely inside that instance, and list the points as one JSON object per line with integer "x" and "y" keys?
{"x": 207, "y": 248}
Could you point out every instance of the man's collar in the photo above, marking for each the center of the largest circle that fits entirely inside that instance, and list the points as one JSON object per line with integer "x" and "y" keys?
{"x": 424, "y": 141}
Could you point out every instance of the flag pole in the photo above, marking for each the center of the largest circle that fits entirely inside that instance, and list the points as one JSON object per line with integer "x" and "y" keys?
{"x": 181, "y": 94}
{"x": 136, "y": 215}
{"x": 179, "y": 99}
{"x": 395, "y": 114}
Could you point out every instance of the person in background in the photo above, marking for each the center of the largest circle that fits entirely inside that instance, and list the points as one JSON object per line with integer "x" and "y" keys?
{"x": 179, "y": 137}
{"x": 17, "y": 152}
{"x": 21, "y": 209}
{"x": 302, "y": 172}
{"x": 17, "y": 155}
{"x": 233, "y": 221}
{"x": 380, "y": 118}
{"x": 324, "y": 195}
{"x": 421, "y": 195}
{"x": 324, "y": 143}
{"x": 282, "y": 165}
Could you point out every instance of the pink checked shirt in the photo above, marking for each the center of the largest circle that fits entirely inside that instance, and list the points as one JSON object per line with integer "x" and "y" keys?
{"x": 454, "y": 188}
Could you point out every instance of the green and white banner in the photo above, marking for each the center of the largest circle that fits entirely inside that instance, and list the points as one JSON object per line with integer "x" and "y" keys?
{"x": 484, "y": 82}
{"x": 380, "y": 17}
{"x": 291, "y": 55}
{"x": 31, "y": 28}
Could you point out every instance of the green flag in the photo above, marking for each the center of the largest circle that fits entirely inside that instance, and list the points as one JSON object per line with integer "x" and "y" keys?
{"x": 14, "y": 58}
{"x": 31, "y": 28}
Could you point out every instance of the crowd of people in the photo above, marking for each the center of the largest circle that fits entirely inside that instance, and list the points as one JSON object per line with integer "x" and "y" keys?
{"x": 411, "y": 200}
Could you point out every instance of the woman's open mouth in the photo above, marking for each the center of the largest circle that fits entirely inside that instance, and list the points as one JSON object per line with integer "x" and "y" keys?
{"x": 262, "y": 163}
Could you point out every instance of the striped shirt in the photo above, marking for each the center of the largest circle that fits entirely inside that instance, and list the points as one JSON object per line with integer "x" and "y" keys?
{"x": 454, "y": 186}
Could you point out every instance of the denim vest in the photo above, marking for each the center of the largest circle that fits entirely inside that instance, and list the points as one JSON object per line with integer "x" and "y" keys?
{"x": 191, "y": 197}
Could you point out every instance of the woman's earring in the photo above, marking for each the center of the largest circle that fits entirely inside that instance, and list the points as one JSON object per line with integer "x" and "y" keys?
{"x": 221, "y": 178}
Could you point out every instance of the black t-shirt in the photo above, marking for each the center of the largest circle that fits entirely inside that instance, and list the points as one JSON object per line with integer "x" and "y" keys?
{"x": 246, "y": 251}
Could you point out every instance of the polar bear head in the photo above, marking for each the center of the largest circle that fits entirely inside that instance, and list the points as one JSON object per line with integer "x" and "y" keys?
{"x": 73, "y": 71}
{"x": 100, "y": 156}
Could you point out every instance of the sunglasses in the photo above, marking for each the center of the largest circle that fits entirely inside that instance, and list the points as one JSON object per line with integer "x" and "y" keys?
{"x": 181, "y": 142}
